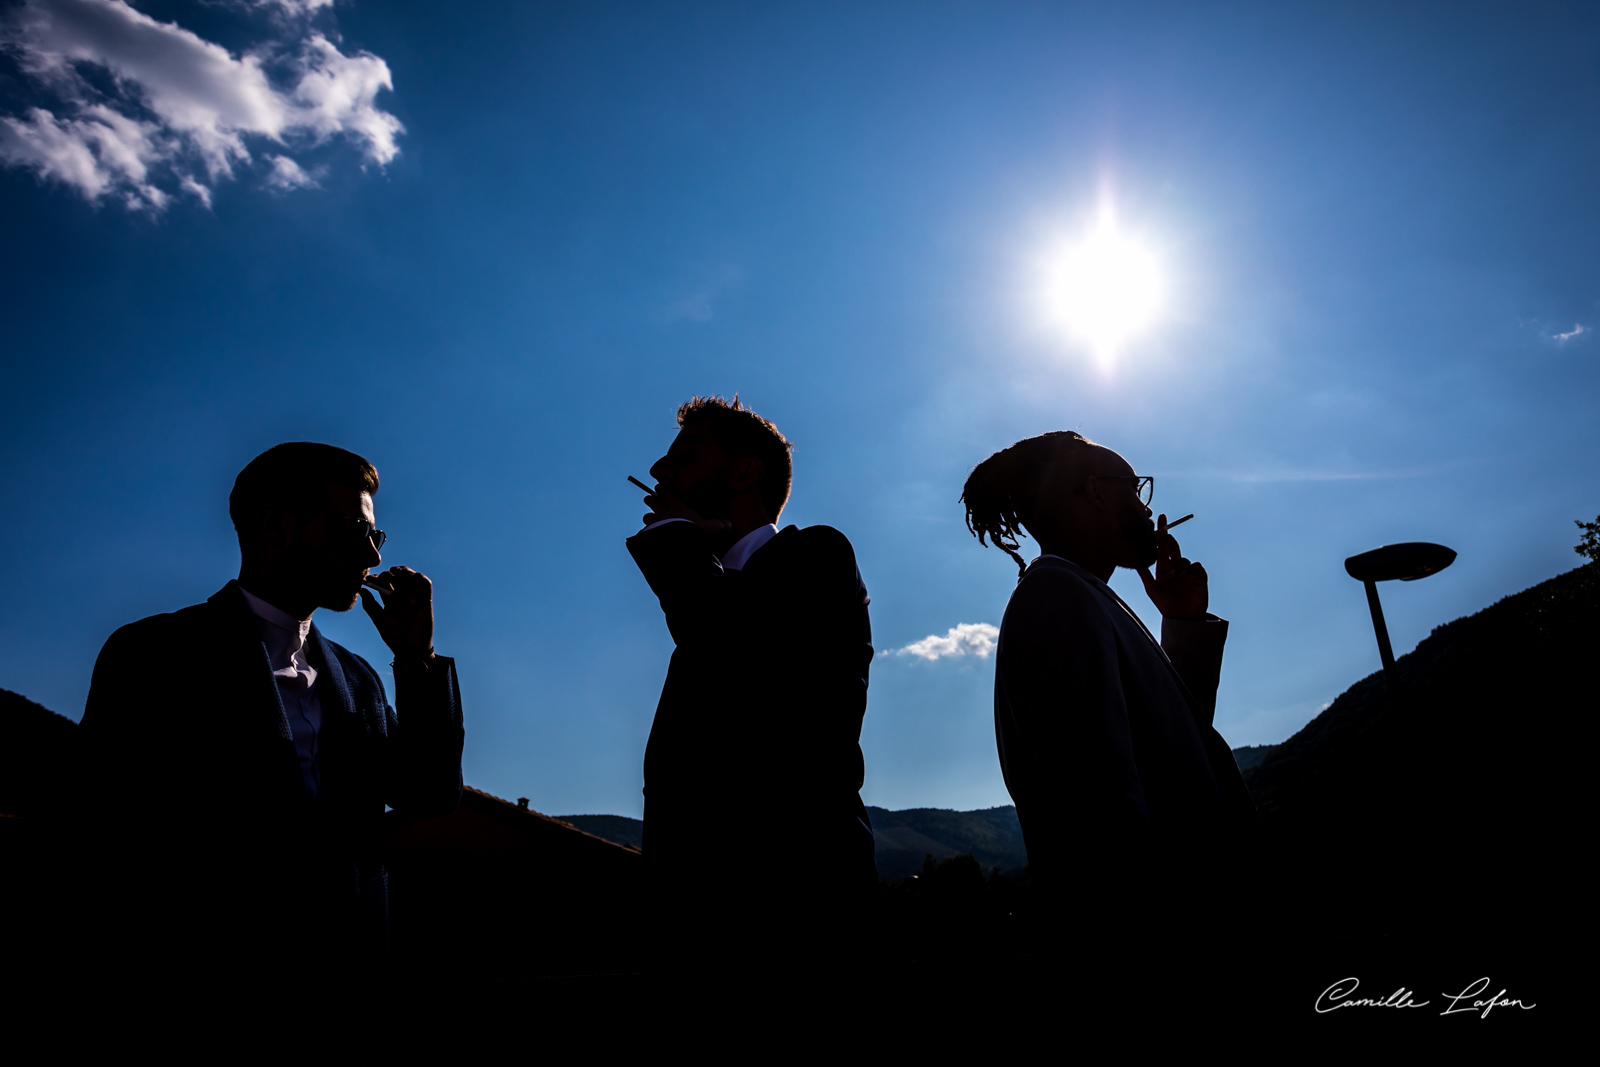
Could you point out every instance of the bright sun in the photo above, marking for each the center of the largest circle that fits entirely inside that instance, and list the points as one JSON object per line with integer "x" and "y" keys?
{"x": 1106, "y": 288}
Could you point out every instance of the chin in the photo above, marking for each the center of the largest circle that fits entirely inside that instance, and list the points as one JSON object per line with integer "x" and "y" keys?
{"x": 341, "y": 601}
{"x": 1144, "y": 548}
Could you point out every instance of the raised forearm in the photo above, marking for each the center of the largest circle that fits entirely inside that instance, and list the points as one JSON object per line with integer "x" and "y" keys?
{"x": 1195, "y": 648}
{"x": 427, "y": 738}
{"x": 688, "y": 581}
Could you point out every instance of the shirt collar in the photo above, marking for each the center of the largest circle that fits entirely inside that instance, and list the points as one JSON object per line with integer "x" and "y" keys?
{"x": 277, "y": 617}
{"x": 736, "y": 557}
{"x": 1080, "y": 568}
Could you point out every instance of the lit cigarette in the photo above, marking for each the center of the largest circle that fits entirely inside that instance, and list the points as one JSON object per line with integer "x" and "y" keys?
{"x": 640, "y": 484}
{"x": 1181, "y": 521}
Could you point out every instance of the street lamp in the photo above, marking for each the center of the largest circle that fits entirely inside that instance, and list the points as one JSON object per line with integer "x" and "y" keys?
{"x": 1407, "y": 562}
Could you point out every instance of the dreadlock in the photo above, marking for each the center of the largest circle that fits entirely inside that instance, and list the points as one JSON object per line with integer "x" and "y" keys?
{"x": 1002, "y": 491}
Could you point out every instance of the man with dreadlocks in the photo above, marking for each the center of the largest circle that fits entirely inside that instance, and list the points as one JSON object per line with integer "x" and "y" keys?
{"x": 756, "y": 738}
{"x": 1132, "y": 807}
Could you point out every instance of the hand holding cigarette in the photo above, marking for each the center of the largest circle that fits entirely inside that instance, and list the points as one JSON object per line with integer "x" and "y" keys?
{"x": 666, "y": 504}
{"x": 1178, "y": 588}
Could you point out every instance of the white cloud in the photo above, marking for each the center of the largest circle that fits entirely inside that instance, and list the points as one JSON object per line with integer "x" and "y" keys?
{"x": 1577, "y": 331}
{"x": 966, "y": 639}
{"x": 286, "y": 174}
{"x": 295, "y": 7}
{"x": 139, "y": 104}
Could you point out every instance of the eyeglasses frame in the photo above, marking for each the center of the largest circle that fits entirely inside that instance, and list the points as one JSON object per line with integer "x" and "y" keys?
{"x": 1144, "y": 485}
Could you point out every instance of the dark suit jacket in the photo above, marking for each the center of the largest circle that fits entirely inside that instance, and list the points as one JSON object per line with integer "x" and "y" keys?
{"x": 1106, "y": 739}
{"x": 754, "y": 761}
{"x": 198, "y": 833}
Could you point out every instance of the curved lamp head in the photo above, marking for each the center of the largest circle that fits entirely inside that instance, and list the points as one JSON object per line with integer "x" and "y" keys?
{"x": 1407, "y": 562}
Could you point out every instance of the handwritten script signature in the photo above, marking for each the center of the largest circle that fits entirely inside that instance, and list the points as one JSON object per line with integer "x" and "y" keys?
{"x": 1341, "y": 994}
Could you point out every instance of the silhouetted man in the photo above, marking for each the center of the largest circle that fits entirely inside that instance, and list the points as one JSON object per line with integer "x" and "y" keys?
{"x": 755, "y": 836}
{"x": 1131, "y": 804}
{"x": 237, "y": 763}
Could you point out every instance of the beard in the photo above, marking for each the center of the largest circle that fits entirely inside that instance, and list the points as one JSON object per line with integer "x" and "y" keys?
{"x": 331, "y": 586}
{"x": 1141, "y": 538}
{"x": 341, "y": 602}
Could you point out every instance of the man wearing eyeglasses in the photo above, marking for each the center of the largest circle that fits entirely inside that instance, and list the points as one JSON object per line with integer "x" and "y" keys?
{"x": 1132, "y": 807}
{"x": 237, "y": 763}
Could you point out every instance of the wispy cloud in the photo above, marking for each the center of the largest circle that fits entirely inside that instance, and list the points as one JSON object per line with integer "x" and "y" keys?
{"x": 138, "y": 110}
{"x": 965, "y": 639}
{"x": 1577, "y": 331}
{"x": 699, "y": 305}
{"x": 1311, "y": 474}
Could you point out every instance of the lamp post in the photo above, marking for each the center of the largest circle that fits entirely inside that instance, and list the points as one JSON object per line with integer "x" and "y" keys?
{"x": 1407, "y": 562}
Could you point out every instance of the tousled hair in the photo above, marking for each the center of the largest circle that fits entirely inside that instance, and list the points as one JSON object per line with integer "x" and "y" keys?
{"x": 1002, "y": 491}
{"x": 741, "y": 432}
{"x": 291, "y": 476}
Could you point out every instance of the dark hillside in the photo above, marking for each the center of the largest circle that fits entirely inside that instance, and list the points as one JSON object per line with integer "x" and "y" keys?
{"x": 33, "y": 745}
{"x": 1453, "y": 801}
{"x": 904, "y": 839}
{"x": 1251, "y": 755}
{"x": 619, "y": 828}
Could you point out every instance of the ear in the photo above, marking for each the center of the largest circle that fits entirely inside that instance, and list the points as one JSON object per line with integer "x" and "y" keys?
{"x": 747, "y": 474}
{"x": 1092, "y": 492}
{"x": 276, "y": 532}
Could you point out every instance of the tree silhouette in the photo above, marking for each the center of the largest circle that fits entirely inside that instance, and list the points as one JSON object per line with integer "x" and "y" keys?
{"x": 1590, "y": 543}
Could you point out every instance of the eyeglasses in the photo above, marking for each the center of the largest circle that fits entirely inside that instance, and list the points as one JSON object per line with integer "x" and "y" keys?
{"x": 1144, "y": 486}
{"x": 367, "y": 531}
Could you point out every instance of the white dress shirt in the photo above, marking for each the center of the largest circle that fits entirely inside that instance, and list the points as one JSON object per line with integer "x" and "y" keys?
{"x": 285, "y": 638}
{"x": 736, "y": 557}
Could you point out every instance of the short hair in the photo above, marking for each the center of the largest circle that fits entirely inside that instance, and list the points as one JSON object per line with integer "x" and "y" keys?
{"x": 1002, "y": 491}
{"x": 291, "y": 476}
{"x": 741, "y": 432}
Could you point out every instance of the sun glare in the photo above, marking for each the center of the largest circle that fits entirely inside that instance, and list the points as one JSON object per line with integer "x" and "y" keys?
{"x": 1106, "y": 289}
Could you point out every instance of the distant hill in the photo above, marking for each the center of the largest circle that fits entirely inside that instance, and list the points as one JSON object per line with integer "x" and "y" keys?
{"x": 992, "y": 836}
{"x": 618, "y": 828}
{"x": 1250, "y": 755}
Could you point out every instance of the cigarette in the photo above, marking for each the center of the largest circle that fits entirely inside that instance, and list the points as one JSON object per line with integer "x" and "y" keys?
{"x": 640, "y": 484}
{"x": 370, "y": 584}
{"x": 1181, "y": 521}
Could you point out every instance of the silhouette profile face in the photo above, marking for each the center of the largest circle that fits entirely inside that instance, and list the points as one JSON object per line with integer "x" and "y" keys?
{"x": 1127, "y": 519}
{"x": 699, "y": 470}
{"x": 322, "y": 552}
{"x": 1090, "y": 508}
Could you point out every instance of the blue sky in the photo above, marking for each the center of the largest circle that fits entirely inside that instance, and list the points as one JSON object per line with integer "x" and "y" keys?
{"x": 518, "y": 235}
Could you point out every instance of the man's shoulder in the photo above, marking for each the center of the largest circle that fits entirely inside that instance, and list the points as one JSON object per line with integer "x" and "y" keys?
{"x": 196, "y": 620}
{"x": 821, "y": 541}
{"x": 1056, "y": 586}
{"x": 819, "y": 551}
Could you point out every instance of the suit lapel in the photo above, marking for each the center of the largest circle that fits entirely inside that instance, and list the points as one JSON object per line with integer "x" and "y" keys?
{"x": 1121, "y": 605}
{"x": 335, "y": 695}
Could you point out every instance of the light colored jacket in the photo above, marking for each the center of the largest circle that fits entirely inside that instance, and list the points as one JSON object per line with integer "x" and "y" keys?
{"x": 1105, "y": 734}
